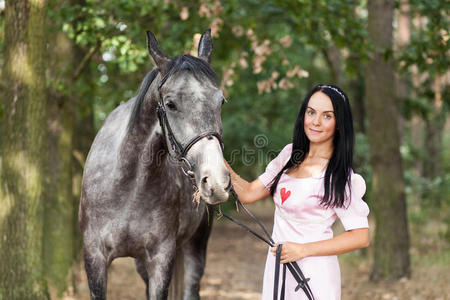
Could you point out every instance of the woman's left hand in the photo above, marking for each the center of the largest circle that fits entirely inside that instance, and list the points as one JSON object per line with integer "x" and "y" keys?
{"x": 290, "y": 252}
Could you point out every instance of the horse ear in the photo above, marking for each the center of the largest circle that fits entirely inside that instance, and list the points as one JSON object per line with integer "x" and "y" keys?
{"x": 159, "y": 58}
{"x": 205, "y": 46}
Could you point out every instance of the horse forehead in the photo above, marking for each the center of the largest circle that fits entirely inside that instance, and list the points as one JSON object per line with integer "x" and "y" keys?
{"x": 188, "y": 84}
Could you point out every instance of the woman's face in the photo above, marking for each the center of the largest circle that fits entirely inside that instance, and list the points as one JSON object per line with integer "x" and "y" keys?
{"x": 320, "y": 122}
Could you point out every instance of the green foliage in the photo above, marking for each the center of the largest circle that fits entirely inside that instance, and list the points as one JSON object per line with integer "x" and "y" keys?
{"x": 325, "y": 23}
{"x": 430, "y": 43}
{"x": 362, "y": 164}
{"x": 118, "y": 29}
{"x": 428, "y": 199}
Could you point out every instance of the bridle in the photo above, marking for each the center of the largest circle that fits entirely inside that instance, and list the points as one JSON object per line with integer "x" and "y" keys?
{"x": 180, "y": 154}
{"x": 180, "y": 151}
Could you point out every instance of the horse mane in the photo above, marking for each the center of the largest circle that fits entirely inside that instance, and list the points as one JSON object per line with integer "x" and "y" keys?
{"x": 145, "y": 85}
{"x": 199, "y": 68}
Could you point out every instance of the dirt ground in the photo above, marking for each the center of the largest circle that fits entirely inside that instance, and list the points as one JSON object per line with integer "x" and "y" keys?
{"x": 235, "y": 267}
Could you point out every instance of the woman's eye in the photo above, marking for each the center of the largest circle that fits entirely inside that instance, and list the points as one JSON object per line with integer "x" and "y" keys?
{"x": 327, "y": 117}
{"x": 170, "y": 105}
{"x": 310, "y": 113}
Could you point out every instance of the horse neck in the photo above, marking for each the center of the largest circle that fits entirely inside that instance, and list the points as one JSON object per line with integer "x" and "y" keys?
{"x": 144, "y": 144}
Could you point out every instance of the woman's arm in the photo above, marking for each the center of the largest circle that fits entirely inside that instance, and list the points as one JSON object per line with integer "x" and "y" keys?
{"x": 247, "y": 192}
{"x": 346, "y": 242}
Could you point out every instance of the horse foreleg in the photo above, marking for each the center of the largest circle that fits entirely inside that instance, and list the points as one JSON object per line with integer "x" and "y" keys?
{"x": 96, "y": 265}
{"x": 194, "y": 254}
{"x": 159, "y": 265}
{"x": 142, "y": 270}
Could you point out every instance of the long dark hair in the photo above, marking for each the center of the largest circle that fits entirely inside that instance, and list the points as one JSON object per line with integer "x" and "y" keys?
{"x": 339, "y": 167}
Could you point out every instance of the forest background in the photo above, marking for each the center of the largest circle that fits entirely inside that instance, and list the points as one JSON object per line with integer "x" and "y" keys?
{"x": 67, "y": 64}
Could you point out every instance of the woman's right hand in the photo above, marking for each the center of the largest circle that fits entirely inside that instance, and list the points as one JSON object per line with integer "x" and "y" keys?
{"x": 247, "y": 192}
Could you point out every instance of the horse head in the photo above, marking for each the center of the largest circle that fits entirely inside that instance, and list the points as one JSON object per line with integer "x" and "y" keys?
{"x": 189, "y": 109}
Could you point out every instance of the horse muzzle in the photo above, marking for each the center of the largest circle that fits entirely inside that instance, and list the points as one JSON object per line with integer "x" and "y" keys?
{"x": 215, "y": 189}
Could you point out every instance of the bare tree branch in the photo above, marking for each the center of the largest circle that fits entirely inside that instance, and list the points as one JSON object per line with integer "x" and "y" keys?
{"x": 85, "y": 60}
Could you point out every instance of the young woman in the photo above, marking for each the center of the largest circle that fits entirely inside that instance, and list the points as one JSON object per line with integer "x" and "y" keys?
{"x": 312, "y": 182}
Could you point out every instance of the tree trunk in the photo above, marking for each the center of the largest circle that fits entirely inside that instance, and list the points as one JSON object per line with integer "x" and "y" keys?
{"x": 434, "y": 128}
{"x": 333, "y": 58}
{"x": 82, "y": 140}
{"x": 433, "y": 147}
{"x": 403, "y": 37}
{"x": 357, "y": 101}
{"x": 391, "y": 259}
{"x": 69, "y": 151}
{"x": 84, "y": 129}
{"x": 58, "y": 232}
{"x": 59, "y": 207}
{"x": 23, "y": 173}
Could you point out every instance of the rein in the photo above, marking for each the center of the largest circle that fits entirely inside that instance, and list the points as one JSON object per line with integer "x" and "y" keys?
{"x": 293, "y": 267}
{"x": 180, "y": 154}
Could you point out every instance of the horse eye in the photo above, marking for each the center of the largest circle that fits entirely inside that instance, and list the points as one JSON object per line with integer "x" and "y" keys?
{"x": 223, "y": 101}
{"x": 171, "y": 105}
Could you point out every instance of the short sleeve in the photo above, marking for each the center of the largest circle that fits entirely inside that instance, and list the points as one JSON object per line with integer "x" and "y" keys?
{"x": 353, "y": 215}
{"x": 275, "y": 166}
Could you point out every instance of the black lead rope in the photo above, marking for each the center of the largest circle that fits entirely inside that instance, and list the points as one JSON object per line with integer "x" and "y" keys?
{"x": 293, "y": 267}
{"x": 277, "y": 275}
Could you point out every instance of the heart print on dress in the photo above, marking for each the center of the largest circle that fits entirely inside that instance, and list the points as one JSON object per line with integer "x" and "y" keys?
{"x": 284, "y": 195}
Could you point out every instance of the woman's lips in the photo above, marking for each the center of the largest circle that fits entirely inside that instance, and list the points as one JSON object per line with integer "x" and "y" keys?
{"x": 315, "y": 131}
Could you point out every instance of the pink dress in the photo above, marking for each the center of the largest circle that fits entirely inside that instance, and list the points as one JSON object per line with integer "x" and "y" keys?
{"x": 299, "y": 218}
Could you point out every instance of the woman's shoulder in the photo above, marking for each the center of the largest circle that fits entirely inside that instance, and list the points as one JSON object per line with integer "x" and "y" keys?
{"x": 357, "y": 181}
{"x": 287, "y": 150}
{"x": 282, "y": 158}
{"x": 285, "y": 153}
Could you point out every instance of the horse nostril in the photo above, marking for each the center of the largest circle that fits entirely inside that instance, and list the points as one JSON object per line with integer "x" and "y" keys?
{"x": 205, "y": 180}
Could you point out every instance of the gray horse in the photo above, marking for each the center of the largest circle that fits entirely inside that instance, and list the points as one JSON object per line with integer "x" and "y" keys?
{"x": 135, "y": 199}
